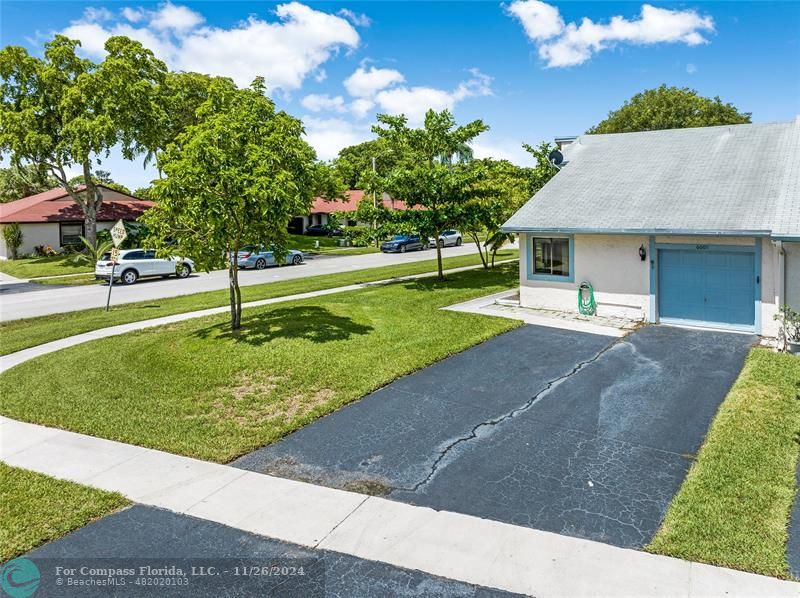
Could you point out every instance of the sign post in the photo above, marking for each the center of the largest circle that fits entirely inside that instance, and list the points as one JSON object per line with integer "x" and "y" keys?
{"x": 118, "y": 235}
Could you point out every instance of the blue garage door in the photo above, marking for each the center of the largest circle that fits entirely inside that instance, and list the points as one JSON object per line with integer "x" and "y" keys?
{"x": 710, "y": 286}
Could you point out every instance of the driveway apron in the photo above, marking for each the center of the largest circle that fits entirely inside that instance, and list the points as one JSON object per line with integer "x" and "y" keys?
{"x": 557, "y": 430}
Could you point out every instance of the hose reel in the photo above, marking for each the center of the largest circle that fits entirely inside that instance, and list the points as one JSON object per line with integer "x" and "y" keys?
{"x": 587, "y": 306}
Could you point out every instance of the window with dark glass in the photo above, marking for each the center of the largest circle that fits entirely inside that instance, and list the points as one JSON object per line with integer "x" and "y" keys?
{"x": 551, "y": 256}
{"x": 71, "y": 233}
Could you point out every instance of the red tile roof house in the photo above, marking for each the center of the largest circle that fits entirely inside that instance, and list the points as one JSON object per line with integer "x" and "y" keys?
{"x": 53, "y": 218}
{"x": 321, "y": 210}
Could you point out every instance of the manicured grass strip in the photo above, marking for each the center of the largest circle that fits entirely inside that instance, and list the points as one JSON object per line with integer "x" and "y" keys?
{"x": 194, "y": 388}
{"x": 31, "y": 267}
{"x": 80, "y": 279}
{"x": 36, "y": 508}
{"x": 733, "y": 508}
{"x": 21, "y": 334}
{"x": 327, "y": 245}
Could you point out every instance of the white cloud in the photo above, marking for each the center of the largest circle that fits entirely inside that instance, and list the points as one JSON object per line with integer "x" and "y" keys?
{"x": 357, "y": 19}
{"x": 93, "y": 15}
{"x": 176, "y": 18}
{"x": 134, "y": 15}
{"x": 323, "y": 102}
{"x": 502, "y": 150}
{"x": 539, "y": 19}
{"x": 284, "y": 51}
{"x": 329, "y": 135}
{"x": 93, "y": 37}
{"x": 365, "y": 83}
{"x": 360, "y": 107}
{"x": 691, "y": 68}
{"x": 414, "y": 102}
{"x": 569, "y": 45}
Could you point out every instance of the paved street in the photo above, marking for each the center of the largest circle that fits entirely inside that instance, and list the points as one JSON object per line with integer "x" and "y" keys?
{"x": 156, "y": 537}
{"x": 29, "y": 300}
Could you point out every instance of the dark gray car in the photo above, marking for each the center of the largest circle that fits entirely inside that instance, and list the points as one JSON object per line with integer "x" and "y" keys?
{"x": 403, "y": 243}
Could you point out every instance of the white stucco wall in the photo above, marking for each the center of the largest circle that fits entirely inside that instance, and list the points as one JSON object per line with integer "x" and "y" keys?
{"x": 40, "y": 233}
{"x": 621, "y": 280}
{"x": 610, "y": 263}
{"x": 792, "y": 274}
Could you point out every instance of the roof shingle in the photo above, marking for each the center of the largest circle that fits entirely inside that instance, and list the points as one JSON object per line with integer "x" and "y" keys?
{"x": 55, "y": 205}
{"x": 735, "y": 179}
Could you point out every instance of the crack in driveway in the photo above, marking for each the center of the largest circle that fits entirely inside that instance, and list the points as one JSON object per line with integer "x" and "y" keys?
{"x": 478, "y": 430}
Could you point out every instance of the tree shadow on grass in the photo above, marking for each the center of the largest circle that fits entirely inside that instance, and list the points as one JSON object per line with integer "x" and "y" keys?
{"x": 309, "y": 322}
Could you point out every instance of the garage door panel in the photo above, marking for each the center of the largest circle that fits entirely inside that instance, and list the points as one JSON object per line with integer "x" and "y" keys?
{"x": 707, "y": 285}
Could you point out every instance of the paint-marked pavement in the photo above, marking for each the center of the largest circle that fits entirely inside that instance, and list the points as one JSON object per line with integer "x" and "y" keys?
{"x": 451, "y": 545}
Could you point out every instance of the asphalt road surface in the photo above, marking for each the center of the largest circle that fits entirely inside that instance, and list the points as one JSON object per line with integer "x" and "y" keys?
{"x": 27, "y": 300}
{"x": 145, "y": 536}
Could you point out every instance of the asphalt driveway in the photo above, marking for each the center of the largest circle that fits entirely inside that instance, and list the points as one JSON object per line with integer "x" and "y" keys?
{"x": 562, "y": 431}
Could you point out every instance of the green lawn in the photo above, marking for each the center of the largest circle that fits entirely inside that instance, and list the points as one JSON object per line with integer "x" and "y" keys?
{"x": 78, "y": 279}
{"x": 36, "y": 508}
{"x": 327, "y": 245}
{"x": 193, "y": 388}
{"x": 32, "y": 267}
{"x": 21, "y": 334}
{"x": 733, "y": 508}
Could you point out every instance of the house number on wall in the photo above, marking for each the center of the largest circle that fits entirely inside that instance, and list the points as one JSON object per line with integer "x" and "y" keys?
{"x": 701, "y": 246}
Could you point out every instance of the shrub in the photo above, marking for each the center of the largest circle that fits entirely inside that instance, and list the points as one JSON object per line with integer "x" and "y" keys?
{"x": 91, "y": 253}
{"x": 789, "y": 321}
{"x": 44, "y": 251}
{"x": 359, "y": 236}
{"x": 12, "y": 234}
{"x": 137, "y": 232}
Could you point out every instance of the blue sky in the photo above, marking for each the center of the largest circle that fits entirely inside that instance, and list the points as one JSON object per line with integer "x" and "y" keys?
{"x": 531, "y": 70}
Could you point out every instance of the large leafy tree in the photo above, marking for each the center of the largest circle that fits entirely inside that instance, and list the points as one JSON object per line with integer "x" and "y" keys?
{"x": 63, "y": 112}
{"x": 18, "y": 181}
{"x": 101, "y": 177}
{"x": 178, "y": 97}
{"x": 543, "y": 171}
{"x": 669, "y": 108}
{"x": 356, "y": 161}
{"x": 503, "y": 190}
{"x": 433, "y": 174}
{"x": 234, "y": 178}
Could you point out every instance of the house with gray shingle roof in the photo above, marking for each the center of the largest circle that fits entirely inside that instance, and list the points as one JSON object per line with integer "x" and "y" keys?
{"x": 689, "y": 226}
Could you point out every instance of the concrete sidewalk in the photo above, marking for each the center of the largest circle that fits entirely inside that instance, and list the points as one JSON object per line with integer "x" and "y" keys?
{"x": 13, "y": 359}
{"x": 446, "y": 544}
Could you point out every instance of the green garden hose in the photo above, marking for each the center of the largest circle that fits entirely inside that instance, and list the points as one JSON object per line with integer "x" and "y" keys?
{"x": 587, "y": 307}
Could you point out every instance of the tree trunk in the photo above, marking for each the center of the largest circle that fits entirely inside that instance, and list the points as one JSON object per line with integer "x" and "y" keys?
{"x": 494, "y": 255}
{"x": 90, "y": 223}
{"x": 235, "y": 292}
{"x": 477, "y": 241}
{"x": 436, "y": 234}
{"x": 238, "y": 298}
{"x": 93, "y": 201}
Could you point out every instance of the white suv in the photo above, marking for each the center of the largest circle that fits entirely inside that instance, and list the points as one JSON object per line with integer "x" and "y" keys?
{"x": 446, "y": 239}
{"x": 134, "y": 264}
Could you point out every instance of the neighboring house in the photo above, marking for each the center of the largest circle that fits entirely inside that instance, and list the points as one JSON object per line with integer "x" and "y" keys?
{"x": 321, "y": 209}
{"x": 53, "y": 218}
{"x": 690, "y": 226}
